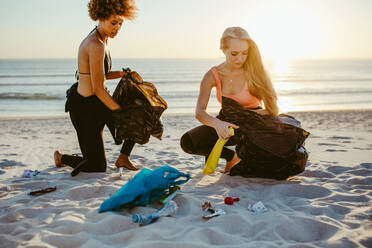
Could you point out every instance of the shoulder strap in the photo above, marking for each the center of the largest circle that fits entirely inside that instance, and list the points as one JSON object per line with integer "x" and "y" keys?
{"x": 100, "y": 36}
{"x": 218, "y": 83}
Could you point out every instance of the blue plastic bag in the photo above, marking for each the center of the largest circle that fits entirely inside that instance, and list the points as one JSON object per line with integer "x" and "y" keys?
{"x": 146, "y": 187}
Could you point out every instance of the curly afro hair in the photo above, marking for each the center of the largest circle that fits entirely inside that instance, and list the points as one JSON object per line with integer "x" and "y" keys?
{"x": 103, "y": 9}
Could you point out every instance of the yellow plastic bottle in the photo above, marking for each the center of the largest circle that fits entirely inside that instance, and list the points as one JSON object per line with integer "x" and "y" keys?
{"x": 215, "y": 154}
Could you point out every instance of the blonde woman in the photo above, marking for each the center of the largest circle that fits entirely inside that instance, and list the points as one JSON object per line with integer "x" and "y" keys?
{"x": 240, "y": 77}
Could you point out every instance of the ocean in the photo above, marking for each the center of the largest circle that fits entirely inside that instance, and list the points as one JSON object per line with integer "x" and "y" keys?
{"x": 36, "y": 87}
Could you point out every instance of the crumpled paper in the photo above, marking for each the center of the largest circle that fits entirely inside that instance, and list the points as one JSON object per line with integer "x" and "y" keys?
{"x": 210, "y": 212}
{"x": 30, "y": 173}
{"x": 258, "y": 207}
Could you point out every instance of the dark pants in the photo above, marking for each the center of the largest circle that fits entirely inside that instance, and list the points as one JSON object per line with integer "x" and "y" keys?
{"x": 201, "y": 140}
{"x": 88, "y": 115}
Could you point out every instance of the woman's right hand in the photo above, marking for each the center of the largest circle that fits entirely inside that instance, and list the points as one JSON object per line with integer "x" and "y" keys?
{"x": 222, "y": 129}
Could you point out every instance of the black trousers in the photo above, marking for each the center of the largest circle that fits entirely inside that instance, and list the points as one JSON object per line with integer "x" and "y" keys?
{"x": 88, "y": 115}
{"x": 201, "y": 140}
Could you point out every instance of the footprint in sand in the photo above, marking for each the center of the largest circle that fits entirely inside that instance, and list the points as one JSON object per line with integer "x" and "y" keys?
{"x": 367, "y": 242}
{"x": 338, "y": 169}
{"x": 360, "y": 181}
{"x": 83, "y": 192}
{"x": 10, "y": 163}
{"x": 366, "y": 165}
{"x": 303, "y": 191}
{"x": 172, "y": 162}
{"x": 334, "y": 150}
{"x": 329, "y": 162}
{"x": 362, "y": 149}
{"x": 317, "y": 174}
{"x": 329, "y": 144}
{"x": 340, "y": 138}
{"x": 307, "y": 229}
{"x": 361, "y": 172}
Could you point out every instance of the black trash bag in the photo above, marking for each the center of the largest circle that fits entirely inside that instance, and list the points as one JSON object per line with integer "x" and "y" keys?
{"x": 269, "y": 146}
{"x": 141, "y": 109}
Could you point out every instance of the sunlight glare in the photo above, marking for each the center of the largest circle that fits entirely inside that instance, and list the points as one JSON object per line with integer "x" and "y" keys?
{"x": 281, "y": 66}
{"x": 287, "y": 35}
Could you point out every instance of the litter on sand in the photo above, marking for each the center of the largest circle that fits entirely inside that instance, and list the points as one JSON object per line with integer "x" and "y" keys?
{"x": 169, "y": 208}
{"x": 210, "y": 212}
{"x": 258, "y": 207}
{"x": 230, "y": 201}
{"x": 42, "y": 191}
{"x": 170, "y": 195}
{"x": 30, "y": 173}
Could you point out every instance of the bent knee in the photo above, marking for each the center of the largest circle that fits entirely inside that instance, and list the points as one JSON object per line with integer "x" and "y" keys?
{"x": 187, "y": 144}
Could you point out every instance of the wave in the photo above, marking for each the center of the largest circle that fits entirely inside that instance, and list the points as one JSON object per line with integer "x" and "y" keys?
{"x": 193, "y": 94}
{"x": 36, "y": 75}
{"x": 197, "y": 79}
{"x": 298, "y": 80}
{"x": 329, "y": 92}
{"x": 188, "y": 94}
{"x": 336, "y": 103}
{"x": 37, "y": 84}
{"x": 34, "y": 96}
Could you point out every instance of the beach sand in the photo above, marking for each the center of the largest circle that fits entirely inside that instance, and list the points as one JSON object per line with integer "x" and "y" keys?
{"x": 328, "y": 205}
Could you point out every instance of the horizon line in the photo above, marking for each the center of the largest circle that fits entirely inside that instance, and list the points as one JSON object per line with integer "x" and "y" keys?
{"x": 268, "y": 58}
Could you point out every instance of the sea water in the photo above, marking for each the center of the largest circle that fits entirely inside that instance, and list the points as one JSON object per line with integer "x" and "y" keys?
{"x": 37, "y": 87}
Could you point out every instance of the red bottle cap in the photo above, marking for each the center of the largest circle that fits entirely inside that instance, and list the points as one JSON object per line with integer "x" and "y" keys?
{"x": 229, "y": 200}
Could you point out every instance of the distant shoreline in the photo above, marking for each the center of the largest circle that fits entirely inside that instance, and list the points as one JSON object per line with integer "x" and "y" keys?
{"x": 176, "y": 115}
{"x": 213, "y": 58}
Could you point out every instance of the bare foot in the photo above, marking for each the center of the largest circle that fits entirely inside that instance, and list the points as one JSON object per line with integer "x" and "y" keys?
{"x": 123, "y": 161}
{"x": 231, "y": 163}
{"x": 58, "y": 159}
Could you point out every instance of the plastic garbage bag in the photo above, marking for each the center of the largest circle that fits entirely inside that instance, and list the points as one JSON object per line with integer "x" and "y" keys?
{"x": 146, "y": 187}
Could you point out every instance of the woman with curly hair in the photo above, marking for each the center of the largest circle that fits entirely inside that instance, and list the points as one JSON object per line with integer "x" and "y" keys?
{"x": 240, "y": 77}
{"x": 90, "y": 105}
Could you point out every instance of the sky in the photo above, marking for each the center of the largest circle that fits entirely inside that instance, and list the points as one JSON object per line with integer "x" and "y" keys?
{"x": 282, "y": 29}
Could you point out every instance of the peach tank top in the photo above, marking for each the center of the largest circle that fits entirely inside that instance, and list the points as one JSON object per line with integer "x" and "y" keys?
{"x": 244, "y": 98}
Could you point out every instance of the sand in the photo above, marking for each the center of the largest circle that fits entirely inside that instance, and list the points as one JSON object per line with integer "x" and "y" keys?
{"x": 328, "y": 205}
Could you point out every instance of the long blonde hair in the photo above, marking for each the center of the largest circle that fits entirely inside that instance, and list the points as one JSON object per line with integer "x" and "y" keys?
{"x": 259, "y": 83}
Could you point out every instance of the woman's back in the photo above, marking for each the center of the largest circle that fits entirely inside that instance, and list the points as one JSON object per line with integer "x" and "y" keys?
{"x": 95, "y": 46}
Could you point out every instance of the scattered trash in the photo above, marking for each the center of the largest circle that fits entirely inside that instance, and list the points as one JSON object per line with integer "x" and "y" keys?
{"x": 30, "y": 173}
{"x": 210, "y": 212}
{"x": 169, "y": 208}
{"x": 169, "y": 196}
{"x": 230, "y": 201}
{"x": 42, "y": 191}
{"x": 258, "y": 207}
{"x": 126, "y": 177}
